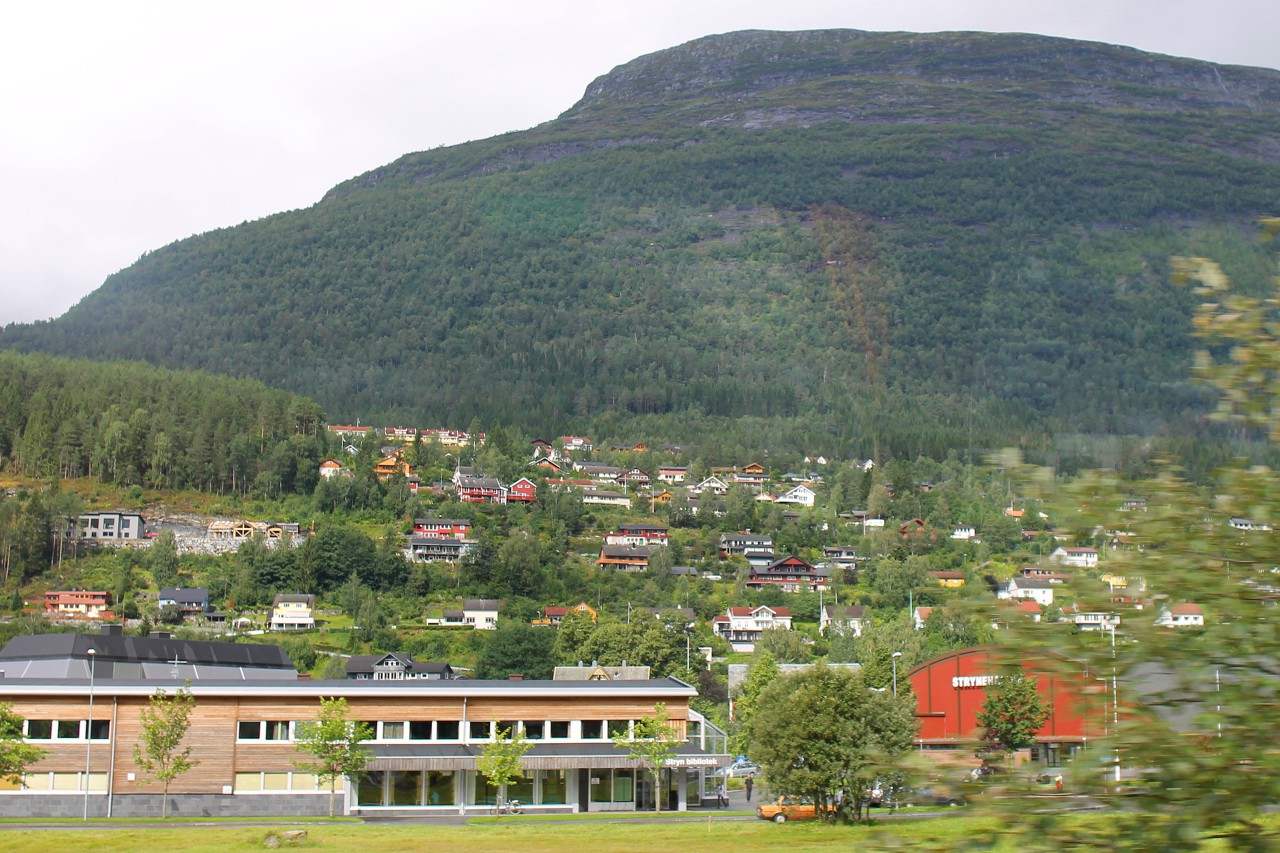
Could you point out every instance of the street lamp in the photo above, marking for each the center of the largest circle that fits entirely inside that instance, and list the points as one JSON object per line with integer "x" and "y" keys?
{"x": 88, "y": 733}
{"x": 894, "y": 657}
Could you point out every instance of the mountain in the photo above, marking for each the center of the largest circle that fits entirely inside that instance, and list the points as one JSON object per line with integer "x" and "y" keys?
{"x": 836, "y": 230}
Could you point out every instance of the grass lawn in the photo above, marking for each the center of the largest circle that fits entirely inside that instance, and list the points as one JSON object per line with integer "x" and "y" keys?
{"x": 540, "y": 837}
{"x": 549, "y": 836}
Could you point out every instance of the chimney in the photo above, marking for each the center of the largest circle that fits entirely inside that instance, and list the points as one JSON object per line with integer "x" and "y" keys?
{"x": 515, "y": 676}
{"x": 112, "y": 631}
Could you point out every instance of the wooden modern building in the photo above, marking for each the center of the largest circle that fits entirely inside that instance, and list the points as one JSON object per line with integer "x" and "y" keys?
{"x": 428, "y": 737}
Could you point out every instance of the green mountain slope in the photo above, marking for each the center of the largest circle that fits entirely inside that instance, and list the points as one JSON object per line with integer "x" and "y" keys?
{"x": 828, "y": 226}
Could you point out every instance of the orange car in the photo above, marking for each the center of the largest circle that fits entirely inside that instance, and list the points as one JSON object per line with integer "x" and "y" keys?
{"x": 787, "y": 808}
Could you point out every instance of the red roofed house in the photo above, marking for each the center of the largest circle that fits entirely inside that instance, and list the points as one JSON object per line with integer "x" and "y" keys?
{"x": 77, "y": 604}
{"x": 349, "y": 431}
{"x": 1182, "y": 616}
{"x": 554, "y": 614}
{"x": 741, "y": 627}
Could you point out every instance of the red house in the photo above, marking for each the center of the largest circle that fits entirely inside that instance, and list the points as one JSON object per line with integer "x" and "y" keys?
{"x": 441, "y": 528}
{"x": 523, "y": 490}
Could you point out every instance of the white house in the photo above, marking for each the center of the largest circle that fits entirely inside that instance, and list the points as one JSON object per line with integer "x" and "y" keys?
{"x": 801, "y": 495}
{"x": 742, "y": 626}
{"x": 1082, "y": 558}
{"x": 1094, "y": 620}
{"x": 963, "y": 532}
{"x": 1182, "y": 616}
{"x": 480, "y": 613}
{"x": 711, "y": 484}
{"x": 1039, "y": 591}
{"x": 293, "y": 613}
{"x": 842, "y": 619}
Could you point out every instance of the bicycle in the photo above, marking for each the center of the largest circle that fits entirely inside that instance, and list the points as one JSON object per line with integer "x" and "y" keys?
{"x": 506, "y": 807}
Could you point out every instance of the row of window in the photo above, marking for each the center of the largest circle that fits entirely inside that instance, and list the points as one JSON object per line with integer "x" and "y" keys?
{"x": 67, "y": 729}
{"x": 257, "y": 782}
{"x": 449, "y": 730}
{"x": 55, "y": 782}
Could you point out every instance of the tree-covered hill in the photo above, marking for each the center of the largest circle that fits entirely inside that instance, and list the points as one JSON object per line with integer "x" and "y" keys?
{"x": 137, "y": 424}
{"x": 837, "y": 229}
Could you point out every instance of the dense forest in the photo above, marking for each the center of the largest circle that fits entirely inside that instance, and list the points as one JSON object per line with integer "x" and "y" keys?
{"x": 840, "y": 242}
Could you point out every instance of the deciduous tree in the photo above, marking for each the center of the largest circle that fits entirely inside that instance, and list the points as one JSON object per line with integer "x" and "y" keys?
{"x": 334, "y": 743}
{"x": 501, "y": 760}
{"x": 15, "y": 753}
{"x": 1012, "y": 713}
{"x": 159, "y": 752}
{"x": 652, "y": 742}
{"x": 822, "y": 733}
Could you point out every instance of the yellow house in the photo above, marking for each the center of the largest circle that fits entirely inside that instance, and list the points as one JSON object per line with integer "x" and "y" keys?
{"x": 949, "y": 580}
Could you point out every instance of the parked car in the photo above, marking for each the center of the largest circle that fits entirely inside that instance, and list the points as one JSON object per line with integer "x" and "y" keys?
{"x": 787, "y": 808}
{"x": 739, "y": 769}
{"x": 928, "y": 796}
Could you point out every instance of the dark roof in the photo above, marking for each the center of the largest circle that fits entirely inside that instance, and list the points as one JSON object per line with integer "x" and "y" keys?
{"x": 196, "y": 594}
{"x": 627, "y": 550}
{"x": 480, "y": 604}
{"x": 366, "y": 663}
{"x": 136, "y": 649}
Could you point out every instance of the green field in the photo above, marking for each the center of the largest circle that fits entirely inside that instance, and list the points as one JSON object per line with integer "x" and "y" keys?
{"x": 532, "y": 837}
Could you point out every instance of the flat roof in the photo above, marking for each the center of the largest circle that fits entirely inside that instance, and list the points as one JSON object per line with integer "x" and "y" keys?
{"x": 305, "y": 688}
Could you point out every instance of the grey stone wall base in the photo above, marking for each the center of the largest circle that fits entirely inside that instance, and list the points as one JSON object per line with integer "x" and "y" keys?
{"x": 180, "y": 805}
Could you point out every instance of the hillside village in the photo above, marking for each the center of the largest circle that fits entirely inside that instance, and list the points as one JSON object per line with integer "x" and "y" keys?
{"x": 730, "y": 559}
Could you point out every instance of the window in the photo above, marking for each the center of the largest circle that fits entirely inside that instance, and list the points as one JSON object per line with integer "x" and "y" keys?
{"x": 479, "y": 731}
{"x": 553, "y": 787}
{"x": 619, "y": 727}
{"x": 393, "y": 731}
{"x": 275, "y": 781}
{"x": 420, "y": 730}
{"x": 263, "y": 730}
{"x": 276, "y": 729}
{"x": 447, "y": 730}
{"x": 559, "y": 729}
{"x": 592, "y": 729}
{"x": 535, "y": 729}
{"x": 100, "y": 730}
{"x": 68, "y": 730}
{"x": 39, "y": 729}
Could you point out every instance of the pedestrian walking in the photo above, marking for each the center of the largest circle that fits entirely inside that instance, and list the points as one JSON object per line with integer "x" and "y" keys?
{"x": 722, "y": 796}
{"x": 749, "y": 783}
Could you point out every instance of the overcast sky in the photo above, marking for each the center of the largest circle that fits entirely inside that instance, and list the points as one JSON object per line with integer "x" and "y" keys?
{"x": 127, "y": 125}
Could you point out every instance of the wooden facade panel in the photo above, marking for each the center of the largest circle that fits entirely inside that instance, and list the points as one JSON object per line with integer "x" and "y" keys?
{"x": 211, "y": 738}
{"x": 213, "y": 732}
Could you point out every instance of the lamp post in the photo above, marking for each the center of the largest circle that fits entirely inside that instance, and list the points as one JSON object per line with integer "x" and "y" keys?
{"x": 88, "y": 733}
{"x": 894, "y": 657}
